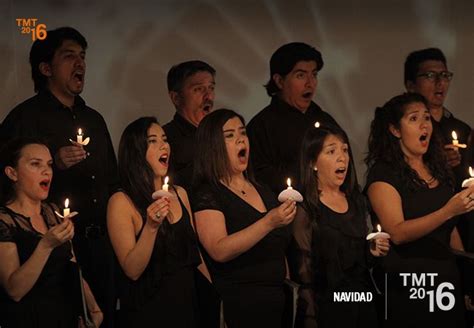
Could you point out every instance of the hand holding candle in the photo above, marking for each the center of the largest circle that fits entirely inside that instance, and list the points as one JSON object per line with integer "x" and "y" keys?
{"x": 66, "y": 211}
{"x": 468, "y": 182}
{"x": 164, "y": 192}
{"x": 290, "y": 193}
{"x": 456, "y": 141}
{"x": 378, "y": 234}
{"x": 79, "y": 139}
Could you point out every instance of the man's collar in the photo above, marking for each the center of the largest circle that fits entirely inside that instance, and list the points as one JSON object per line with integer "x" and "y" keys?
{"x": 184, "y": 124}
{"x": 55, "y": 103}
{"x": 283, "y": 105}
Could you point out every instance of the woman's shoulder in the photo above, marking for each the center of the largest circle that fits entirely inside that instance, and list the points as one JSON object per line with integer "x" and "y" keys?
{"x": 383, "y": 171}
{"x": 120, "y": 200}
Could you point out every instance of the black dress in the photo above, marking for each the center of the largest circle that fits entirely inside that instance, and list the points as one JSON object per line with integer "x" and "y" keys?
{"x": 164, "y": 295}
{"x": 250, "y": 285}
{"x": 428, "y": 254}
{"x": 52, "y": 301}
{"x": 334, "y": 257}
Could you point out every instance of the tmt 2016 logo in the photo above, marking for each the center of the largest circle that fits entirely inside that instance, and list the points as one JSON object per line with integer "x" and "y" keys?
{"x": 31, "y": 26}
{"x": 422, "y": 285}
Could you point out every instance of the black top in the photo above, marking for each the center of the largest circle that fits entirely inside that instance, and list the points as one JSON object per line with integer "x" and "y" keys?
{"x": 87, "y": 184}
{"x": 164, "y": 293}
{"x": 275, "y": 134}
{"x": 330, "y": 258}
{"x": 182, "y": 138}
{"x": 251, "y": 285}
{"x": 445, "y": 127}
{"x": 51, "y": 301}
{"x": 428, "y": 254}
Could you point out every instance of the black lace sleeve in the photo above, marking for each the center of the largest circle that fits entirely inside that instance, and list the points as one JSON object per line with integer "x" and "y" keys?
{"x": 302, "y": 269}
{"x": 7, "y": 228}
{"x": 206, "y": 197}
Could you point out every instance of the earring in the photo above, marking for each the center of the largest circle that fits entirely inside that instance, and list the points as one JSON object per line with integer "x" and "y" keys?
{"x": 315, "y": 169}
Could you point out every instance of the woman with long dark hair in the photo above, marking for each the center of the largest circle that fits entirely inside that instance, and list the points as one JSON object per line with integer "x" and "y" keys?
{"x": 153, "y": 240}
{"x": 411, "y": 190}
{"x": 39, "y": 287}
{"x": 242, "y": 227}
{"x": 329, "y": 253}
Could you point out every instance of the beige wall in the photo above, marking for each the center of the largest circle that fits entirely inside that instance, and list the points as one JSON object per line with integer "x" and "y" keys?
{"x": 133, "y": 44}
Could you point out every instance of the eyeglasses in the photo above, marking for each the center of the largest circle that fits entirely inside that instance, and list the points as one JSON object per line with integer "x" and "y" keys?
{"x": 437, "y": 76}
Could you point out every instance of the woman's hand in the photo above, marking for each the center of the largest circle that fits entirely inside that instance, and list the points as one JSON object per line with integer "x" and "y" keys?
{"x": 461, "y": 203}
{"x": 379, "y": 247}
{"x": 97, "y": 317}
{"x": 157, "y": 212}
{"x": 282, "y": 215}
{"x": 58, "y": 235}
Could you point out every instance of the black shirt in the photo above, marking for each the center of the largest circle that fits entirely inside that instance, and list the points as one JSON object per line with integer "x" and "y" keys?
{"x": 87, "y": 184}
{"x": 182, "y": 138}
{"x": 276, "y": 134}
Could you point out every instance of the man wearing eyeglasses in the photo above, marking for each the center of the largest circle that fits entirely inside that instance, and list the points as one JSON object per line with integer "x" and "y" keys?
{"x": 426, "y": 73}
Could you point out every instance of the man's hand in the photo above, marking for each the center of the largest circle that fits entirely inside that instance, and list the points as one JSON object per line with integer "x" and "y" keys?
{"x": 68, "y": 156}
{"x": 453, "y": 155}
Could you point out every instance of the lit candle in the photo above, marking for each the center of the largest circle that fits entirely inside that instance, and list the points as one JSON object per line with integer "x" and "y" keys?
{"x": 288, "y": 182}
{"x": 317, "y": 125}
{"x": 456, "y": 141}
{"x": 66, "y": 210}
{"x": 466, "y": 183}
{"x": 79, "y": 136}
{"x": 165, "y": 185}
{"x": 290, "y": 193}
{"x": 378, "y": 234}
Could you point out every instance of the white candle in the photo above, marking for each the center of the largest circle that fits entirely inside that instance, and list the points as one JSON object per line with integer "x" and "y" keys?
{"x": 79, "y": 136}
{"x": 288, "y": 182}
{"x": 455, "y": 138}
{"x": 290, "y": 193}
{"x": 466, "y": 183}
{"x": 66, "y": 210}
{"x": 165, "y": 185}
{"x": 378, "y": 234}
{"x": 456, "y": 141}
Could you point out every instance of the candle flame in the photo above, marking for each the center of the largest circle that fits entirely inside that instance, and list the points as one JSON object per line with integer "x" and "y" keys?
{"x": 66, "y": 203}
{"x": 288, "y": 182}
{"x": 317, "y": 125}
{"x": 454, "y": 135}
{"x": 79, "y": 132}
{"x": 471, "y": 172}
{"x": 379, "y": 228}
{"x": 166, "y": 179}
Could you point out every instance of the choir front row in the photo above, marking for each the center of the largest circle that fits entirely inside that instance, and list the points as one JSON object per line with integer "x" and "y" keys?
{"x": 238, "y": 235}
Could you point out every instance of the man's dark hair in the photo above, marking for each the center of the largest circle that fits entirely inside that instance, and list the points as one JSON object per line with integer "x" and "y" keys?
{"x": 179, "y": 73}
{"x": 286, "y": 57}
{"x": 416, "y": 58}
{"x": 42, "y": 51}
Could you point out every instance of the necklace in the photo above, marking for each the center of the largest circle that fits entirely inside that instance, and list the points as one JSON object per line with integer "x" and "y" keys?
{"x": 239, "y": 190}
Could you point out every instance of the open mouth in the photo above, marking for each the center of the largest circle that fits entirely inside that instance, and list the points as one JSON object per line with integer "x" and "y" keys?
{"x": 424, "y": 137}
{"x": 341, "y": 170}
{"x": 79, "y": 76}
{"x": 164, "y": 159}
{"x": 242, "y": 154}
{"x": 44, "y": 184}
{"x": 308, "y": 95}
{"x": 207, "y": 107}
